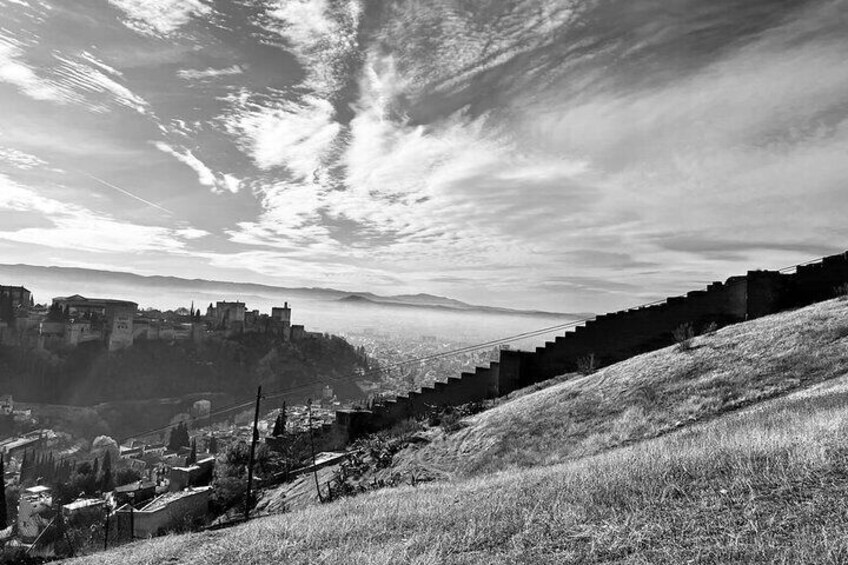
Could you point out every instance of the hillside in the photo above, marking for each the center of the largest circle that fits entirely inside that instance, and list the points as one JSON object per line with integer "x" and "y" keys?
{"x": 763, "y": 484}
{"x": 650, "y": 394}
{"x": 144, "y": 386}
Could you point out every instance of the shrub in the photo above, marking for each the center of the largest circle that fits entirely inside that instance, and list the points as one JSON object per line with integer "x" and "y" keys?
{"x": 683, "y": 336}
{"x": 587, "y": 365}
{"x": 451, "y": 421}
{"x": 841, "y": 291}
{"x": 710, "y": 328}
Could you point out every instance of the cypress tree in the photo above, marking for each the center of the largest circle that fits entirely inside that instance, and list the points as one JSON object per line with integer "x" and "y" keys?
{"x": 192, "y": 457}
{"x": 213, "y": 445}
{"x": 280, "y": 423}
{"x": 107, "y": 482}
{"x": 24, "y": 467}
{"x": 179, "y": 437}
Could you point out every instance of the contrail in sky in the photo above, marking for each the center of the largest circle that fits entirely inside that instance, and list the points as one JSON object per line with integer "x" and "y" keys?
{"x": 128, "y": 193}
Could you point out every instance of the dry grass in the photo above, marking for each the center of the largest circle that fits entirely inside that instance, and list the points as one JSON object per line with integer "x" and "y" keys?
{"x": 650, "y": 394}
{"x": 766, "y": 484}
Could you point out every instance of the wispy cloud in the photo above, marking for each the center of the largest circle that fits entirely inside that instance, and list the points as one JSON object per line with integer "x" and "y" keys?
{"x": 14, "y": 71}
{"x": 160, "y": 17}
{"x": 89, "y": 76}
{"x": 75, "y": 227}
{"x": 80, "y": 80}
{"x": 324, "y": 37}
{"x": 292, "y": 134}
{"x": 20, "y": 159}
{"x": 209, "y": 73}
{"x": 205, "y": 175}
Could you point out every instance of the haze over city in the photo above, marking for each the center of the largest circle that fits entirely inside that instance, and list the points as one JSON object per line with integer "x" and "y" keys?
{"x": 567, "y": 156}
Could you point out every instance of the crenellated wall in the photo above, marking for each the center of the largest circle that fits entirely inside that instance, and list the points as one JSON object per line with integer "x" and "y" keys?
{"x": 614, "y": 337}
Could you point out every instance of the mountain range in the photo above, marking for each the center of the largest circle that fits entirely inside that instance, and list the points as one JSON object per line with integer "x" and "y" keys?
{"x": 47, "y": 282}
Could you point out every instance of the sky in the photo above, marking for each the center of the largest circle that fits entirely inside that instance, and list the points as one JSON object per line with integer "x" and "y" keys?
{"x": 558, "y": 155}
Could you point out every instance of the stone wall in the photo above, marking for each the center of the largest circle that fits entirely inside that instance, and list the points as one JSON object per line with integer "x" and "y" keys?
{"x": 610, "y": 338}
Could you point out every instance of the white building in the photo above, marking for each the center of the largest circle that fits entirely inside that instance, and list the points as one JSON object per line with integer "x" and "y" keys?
{"x": 169, "y": 511}
{"x": 34, "y": 512}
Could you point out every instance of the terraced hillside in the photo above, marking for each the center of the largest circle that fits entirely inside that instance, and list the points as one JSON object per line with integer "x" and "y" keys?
{"x": 764, "y": 484}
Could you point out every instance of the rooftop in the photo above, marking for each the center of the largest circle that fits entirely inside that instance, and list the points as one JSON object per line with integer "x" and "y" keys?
{"x": 132, "y": 487}
{"x": 164, "y": 500}
{"x": 83, "y": 503}
{"x": 77, "y": 300}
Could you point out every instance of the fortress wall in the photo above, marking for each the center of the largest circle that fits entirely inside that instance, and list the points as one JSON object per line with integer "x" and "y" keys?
{"x": 817, "y": 282}
{"x": 617, "y": 336}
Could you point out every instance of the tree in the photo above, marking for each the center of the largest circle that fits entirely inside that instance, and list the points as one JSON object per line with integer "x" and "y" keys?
{"x": 280, "y": 423}
{"x": 213, "y": 445}
{"x": 192, "y": 457}
{"x": 126, "y": 476}
{"x": 228, "y": 484}
{"x": 107, "y": 481}
{"x": 179, "y": 437}
{"x": 4, "y": 515}
{"x": 27, "y": 467}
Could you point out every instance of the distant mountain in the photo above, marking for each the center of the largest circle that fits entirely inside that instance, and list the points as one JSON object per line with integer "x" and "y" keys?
{"x": 428, "y": 301}
{"x": 48, "y": 282}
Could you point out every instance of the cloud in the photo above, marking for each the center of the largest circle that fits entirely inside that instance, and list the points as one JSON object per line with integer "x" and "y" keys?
{"x": 14, "y": 71}
{"x": 80, "y": 80}
{"x": 205, "y": 176}
{"x": 80, "y": 229}
{"x": 92, "y": 77}
{"x": 20, "y": 159}
{"x": 160, "y": 17}
{"x": 422, "y": 198}
{"x": 297, "y": 135}
{"x": 323, "y": 35}
{"x": 290, "y": 217}
{"x": 198, "y": 74}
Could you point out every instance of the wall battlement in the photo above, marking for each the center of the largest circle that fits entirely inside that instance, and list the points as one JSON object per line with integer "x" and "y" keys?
{"x": 615, "y": 336}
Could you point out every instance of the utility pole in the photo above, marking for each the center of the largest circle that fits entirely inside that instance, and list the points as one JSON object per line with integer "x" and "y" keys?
{"x": 312, "y": 445}
{"x": 252, "y": 455}
{"x": 132, "y": 516}
{"x": 106, "y": 532}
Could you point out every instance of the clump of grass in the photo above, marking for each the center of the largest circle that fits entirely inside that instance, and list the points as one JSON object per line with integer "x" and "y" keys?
{"x": 587, "y": 365}
{"x": 683, "y": 336}
{"x": 710, "y": 329}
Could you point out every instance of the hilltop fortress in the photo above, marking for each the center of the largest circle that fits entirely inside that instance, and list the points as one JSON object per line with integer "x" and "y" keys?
{"x": 72, "y": 320}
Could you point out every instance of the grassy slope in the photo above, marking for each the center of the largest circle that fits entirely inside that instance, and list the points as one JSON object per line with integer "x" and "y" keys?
{"x": 649, "y": 395}
{"x": 765, "y": 484}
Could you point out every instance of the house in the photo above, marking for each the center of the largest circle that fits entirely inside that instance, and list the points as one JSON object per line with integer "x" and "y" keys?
{"x": 84, "y": 509}
{"x": 136, "y": 494}
{"x": 170, "y": 511}
{"x": 7, "y": 405}
{"x": 15, "y": 447}
{"x": 35, "y": 510}
{"x": 192, "y": 475}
